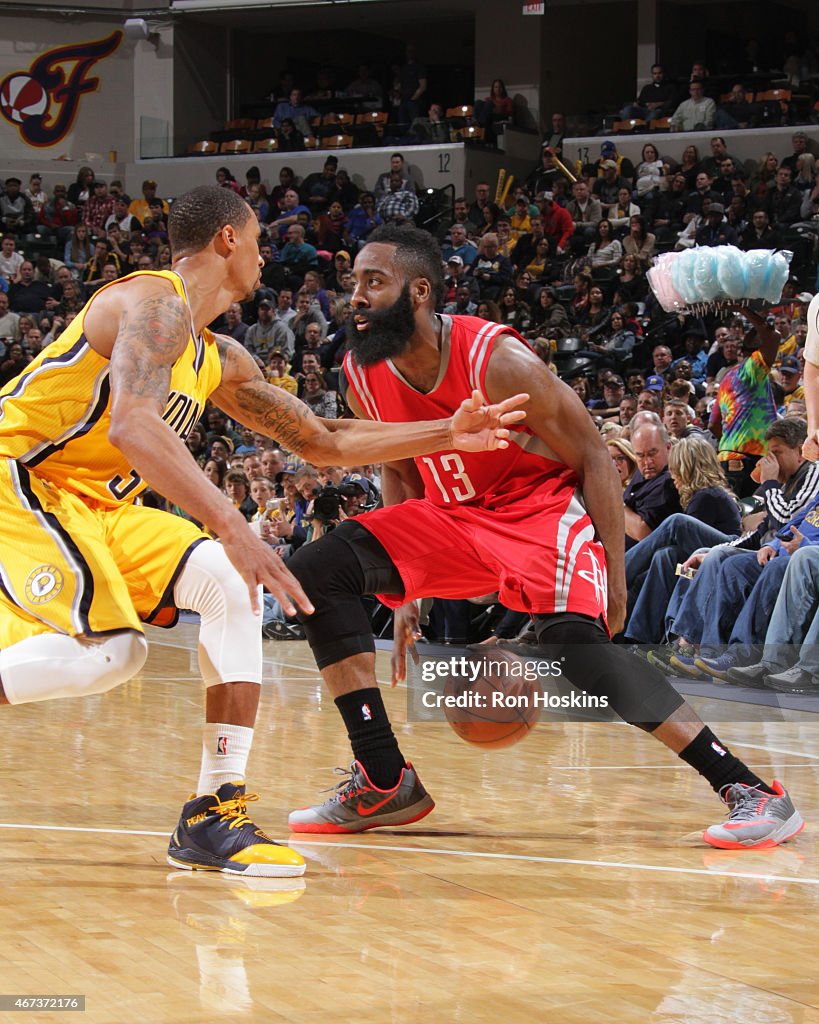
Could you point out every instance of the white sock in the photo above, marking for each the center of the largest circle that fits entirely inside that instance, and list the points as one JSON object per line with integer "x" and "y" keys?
{"x": 225, "y": 750}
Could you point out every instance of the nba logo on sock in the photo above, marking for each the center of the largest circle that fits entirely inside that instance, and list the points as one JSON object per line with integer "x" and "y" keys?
{"x": 366, "y": 714}
{"x": 716, "y": 747}
{"x": 221, "y": 744}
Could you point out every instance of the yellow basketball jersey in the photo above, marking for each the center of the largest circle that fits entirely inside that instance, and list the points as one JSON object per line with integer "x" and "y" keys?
{"x": 55, "y": 416}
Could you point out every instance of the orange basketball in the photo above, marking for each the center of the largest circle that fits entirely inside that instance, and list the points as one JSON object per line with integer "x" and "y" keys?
{"x": 498, "y": 707}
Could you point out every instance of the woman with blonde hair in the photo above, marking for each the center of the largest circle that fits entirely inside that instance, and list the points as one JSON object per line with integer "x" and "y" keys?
{"x": 623, "y": 457}
{"x": 701, "y": 484}
{"x": 764, "y": 176}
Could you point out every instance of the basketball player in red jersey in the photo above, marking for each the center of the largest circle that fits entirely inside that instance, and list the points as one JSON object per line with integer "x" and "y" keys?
{"x": 543, "y": 526}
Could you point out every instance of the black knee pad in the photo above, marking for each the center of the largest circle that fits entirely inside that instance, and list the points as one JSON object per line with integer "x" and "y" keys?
{"x": 638, "y": 692}
{"x": 335, "y": 572}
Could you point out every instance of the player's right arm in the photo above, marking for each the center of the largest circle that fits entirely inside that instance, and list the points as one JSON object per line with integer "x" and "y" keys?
{"x": 143, "y": 326}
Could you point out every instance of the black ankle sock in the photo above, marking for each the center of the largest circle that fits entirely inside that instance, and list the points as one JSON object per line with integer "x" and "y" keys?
{"x": 717, "y": 764}
{"x": 371, "y": 736}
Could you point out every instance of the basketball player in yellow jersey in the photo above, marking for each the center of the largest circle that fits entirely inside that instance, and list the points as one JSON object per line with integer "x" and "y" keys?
{"x": 102, "y": 413}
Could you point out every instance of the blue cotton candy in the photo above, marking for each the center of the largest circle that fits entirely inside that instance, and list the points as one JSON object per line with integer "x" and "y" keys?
{"x": 731, "y": 272}
{"x": 705, "y": 274}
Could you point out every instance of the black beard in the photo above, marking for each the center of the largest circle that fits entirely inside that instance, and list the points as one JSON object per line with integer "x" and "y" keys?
{"x": 389, "y": 332}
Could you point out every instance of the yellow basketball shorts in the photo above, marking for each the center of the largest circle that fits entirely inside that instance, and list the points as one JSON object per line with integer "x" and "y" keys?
{"x": 67, "y": 566}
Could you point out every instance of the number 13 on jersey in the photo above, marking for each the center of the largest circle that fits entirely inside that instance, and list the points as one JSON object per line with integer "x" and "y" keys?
{"x": 450, "y": 476}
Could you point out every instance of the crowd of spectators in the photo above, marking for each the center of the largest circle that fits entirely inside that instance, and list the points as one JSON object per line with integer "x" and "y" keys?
{"x": 748, "y": 96}
{"x": 698, "y": 413}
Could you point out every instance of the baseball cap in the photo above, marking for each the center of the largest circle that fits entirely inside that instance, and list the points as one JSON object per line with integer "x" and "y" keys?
{"x": 149, "y": 183}
{"x": 277, "y": 352}
{"x": 614, "y": 381}
{"x": 266, "y": 302}
{"x": 608, "y": 147}
{"x": 342, "y": 252}
{"x": 790, "y": 364}
{"x": 456, "y": 259}
{"x": 609, "y": 164}
{"x": 359, "y": 481}
{"x": 654, "y": 383}
{"x": 288, "y": 469}
{"x": 547, "y": 195}
{"x": 716, "y": 208}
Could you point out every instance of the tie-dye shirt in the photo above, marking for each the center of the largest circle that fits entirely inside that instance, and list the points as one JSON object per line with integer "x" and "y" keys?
{"x": 746, "y": 406}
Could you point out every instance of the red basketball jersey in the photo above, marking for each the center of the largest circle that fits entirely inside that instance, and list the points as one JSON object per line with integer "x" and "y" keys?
{"x": 488, "y": 479}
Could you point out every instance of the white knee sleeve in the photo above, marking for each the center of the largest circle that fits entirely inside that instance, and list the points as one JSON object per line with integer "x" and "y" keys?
{"x": 53, "y": 665}
{"x": 230, "y": 635}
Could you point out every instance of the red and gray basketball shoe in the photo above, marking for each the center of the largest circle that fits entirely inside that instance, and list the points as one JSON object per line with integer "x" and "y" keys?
{"x": 215, "y": 834}
{"x": 357, "y": 805}
{"x": 756, "y": 819}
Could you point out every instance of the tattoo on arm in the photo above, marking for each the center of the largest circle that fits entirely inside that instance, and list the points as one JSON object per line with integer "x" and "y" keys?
{"x": 151, "y": 338}
{"x": 246, "y": 395}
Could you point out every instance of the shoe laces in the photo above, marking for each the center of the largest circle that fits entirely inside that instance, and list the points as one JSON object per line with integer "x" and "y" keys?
{"x": 348, "y": 787}
{"x": 234, "y": 810}
{"x": 745, "y": 802}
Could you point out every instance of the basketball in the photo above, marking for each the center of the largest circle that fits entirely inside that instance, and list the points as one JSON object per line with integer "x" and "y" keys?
{"x": 493, "y": 704}
{"x": 22, "y": 97}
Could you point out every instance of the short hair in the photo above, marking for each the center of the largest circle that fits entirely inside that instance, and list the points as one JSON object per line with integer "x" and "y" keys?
{"x": 198, "y": 215}
{"x": 793, "y": 432}
{"x": 394, "y": 155}
{"x": 659, "y": 427}
{"x": 417, "y": 253}
{"x": 236, "y": 476}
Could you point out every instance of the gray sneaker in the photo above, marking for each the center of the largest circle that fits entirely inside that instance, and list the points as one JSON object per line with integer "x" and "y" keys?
{"x": 756, "y": 819}
{"x": 752, "y": 676}
{"x": 793, "y": 680}
{"x": 357, "y": 805}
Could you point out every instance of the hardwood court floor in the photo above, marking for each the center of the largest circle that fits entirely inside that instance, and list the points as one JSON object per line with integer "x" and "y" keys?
{"x": 556, "y": 881}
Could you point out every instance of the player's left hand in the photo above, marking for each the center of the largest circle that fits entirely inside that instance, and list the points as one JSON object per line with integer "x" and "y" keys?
{"x": 477, "y": 427}
{"x": 406, "y": 630}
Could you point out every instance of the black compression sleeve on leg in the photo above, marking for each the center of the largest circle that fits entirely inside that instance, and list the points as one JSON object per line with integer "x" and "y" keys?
{"x": 335, "y": 573}
{"x": 639, "y": 693}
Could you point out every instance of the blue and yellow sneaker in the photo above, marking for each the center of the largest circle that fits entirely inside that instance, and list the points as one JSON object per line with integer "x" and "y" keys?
{"x": 215, "y": 834}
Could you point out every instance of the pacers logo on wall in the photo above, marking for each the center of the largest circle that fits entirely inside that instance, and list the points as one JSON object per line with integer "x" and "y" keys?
{"x": 43, "y": 101}
{"x": 44, "y": 584}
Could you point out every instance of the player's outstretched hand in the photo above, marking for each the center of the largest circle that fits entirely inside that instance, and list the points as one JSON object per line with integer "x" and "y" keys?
{"x": 405, "y": 631}
{"x": 477, "y": 427}
{"x": 258, "y": 564}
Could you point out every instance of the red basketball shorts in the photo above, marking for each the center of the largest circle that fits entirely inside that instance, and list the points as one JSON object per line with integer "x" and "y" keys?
{"x": 539, "y": 554}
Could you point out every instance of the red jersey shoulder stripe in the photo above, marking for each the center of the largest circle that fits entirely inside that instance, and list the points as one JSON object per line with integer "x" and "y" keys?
{"x": 357, "y": 379}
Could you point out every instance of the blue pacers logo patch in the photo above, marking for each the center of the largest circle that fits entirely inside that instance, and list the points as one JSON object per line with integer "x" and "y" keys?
{"x": 43, "y": 584}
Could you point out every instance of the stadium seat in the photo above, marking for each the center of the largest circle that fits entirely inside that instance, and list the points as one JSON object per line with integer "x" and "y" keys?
{"x": 630, "y": 125}
{"x": 203, "y": 148}
{"x": 375, "y": 118}
{"x": 660, "y": 124}
{"x": 337, "y": 142}
{"x": 338, "y": 120}
{"x": 463, "y": 111}
{"x": 266, "y": 146}
{"x": 236, "y": 146}
{"x": 468, "y": 132}
{"x": 310, "y": 142}
{"x": 240, "y": 124}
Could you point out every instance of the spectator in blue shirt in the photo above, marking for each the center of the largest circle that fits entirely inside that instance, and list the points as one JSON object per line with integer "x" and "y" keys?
{"x": 300, "y": 113}
{"x": 459, "y": 246}
{"x": 298, "y": 256}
